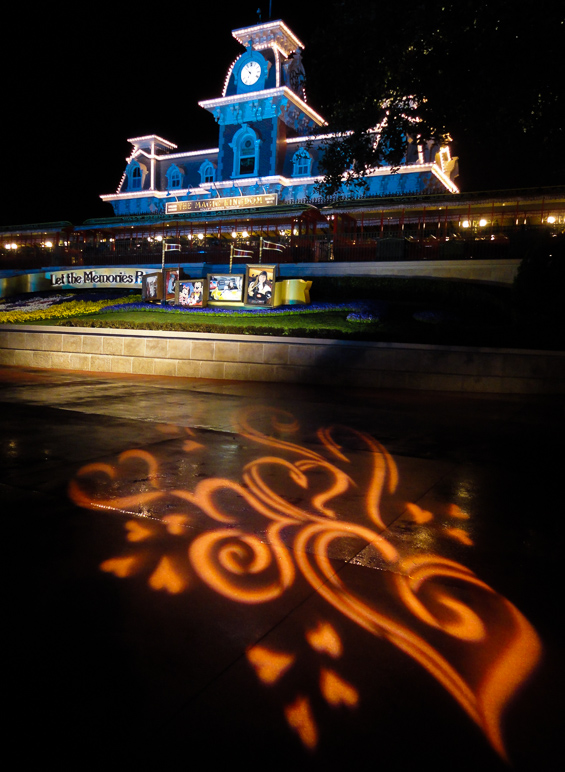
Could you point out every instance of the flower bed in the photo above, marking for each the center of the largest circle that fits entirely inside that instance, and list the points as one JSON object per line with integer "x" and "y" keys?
{"x": 366, "y": 308}
{"x": 57, "y": 307}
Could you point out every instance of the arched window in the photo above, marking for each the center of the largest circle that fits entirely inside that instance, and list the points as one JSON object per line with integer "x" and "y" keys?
{"x": 247, "y": 156}
{"x": 245, "y": 152}
{"x": 302, "y": 163}
{"x": 136, "y": 174}
{"x": 136, "y": 178}
{"x": 207, "y": 172}
{"x": 174, "y": 177}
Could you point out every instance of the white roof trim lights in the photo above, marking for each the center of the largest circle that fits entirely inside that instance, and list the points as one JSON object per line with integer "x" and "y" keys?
{"x": 445, "y": 179}
{"x": 146, "y": 194}
{"x": 210, "y": 104}
{"x": 151, "y": 139}
{"x": 288, "y": 182}
{"x": 270, "y": 34}
{"x": 189, "y": 154}
{"x": 228, "y": 76}
{"x": 315, "y": 137}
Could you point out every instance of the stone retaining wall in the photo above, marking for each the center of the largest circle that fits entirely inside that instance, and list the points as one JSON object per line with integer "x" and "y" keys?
{"x": 493, "y": 271}
{"x": 291, "y": 360}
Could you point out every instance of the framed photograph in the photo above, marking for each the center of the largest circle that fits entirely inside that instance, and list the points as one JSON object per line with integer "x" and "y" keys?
{"x": 191, "y": 292}
{"x": 260, "y": 285}
{"x": 152, "y": 287}
{"x": 170, "y": 281}
{"x": 225, "y": 287}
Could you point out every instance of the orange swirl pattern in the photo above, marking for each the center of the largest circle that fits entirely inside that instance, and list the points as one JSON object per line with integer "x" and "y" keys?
{"x": 298, "y": 534}
{"x": 221, "y": 557}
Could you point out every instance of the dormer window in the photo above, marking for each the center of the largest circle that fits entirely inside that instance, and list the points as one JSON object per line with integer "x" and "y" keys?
{"x": 207, "y": 173}
{"x": 135, "y": 174}
{"x": 302, "y": 163}
{"x": 174, "y": 177}
{"x": 136, "y": 178}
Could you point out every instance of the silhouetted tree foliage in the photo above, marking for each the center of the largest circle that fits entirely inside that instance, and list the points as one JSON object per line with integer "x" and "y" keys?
{"x": 539, "y": 283}
{"x": 488, "y": 72}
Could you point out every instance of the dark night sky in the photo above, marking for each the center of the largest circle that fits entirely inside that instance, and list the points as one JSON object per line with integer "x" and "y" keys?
{"x": 77, "y": 85}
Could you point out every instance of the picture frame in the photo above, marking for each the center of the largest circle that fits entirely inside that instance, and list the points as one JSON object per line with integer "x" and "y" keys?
{"x": 225, "y": 287}
{"x": 152, "y": 287}
{"x": 191, "y": 293}
{"x": 260, "y": 285}
{"x": 170, "y": 280}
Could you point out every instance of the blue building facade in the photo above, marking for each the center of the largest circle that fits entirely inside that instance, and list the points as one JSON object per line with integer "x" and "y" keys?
{"x": 265, "y": 153}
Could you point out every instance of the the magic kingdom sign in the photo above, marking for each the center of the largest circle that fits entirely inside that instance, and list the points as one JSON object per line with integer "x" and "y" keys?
{"x": 221, "y": 204}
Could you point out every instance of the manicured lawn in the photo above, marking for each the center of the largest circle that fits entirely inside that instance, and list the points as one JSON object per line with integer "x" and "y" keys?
{"x": 321, "y": 324}
{"x": 335, "y": 319}
{"x": 394, "y": 322}
{"x": 394, "y": 310}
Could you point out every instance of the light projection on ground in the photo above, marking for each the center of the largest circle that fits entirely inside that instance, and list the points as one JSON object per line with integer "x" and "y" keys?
{"x": 295, "y": 512}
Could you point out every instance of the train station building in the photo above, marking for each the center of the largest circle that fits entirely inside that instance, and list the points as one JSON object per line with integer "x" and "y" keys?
{"x": 266, "y": 153}
{"x": 258, "y": 178}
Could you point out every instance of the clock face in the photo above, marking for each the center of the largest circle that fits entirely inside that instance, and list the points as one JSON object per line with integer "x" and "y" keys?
{"x": 250, "y": 73}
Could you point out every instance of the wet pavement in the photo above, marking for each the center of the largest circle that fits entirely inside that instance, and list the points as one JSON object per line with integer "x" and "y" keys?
{"x": 211, "y": 572}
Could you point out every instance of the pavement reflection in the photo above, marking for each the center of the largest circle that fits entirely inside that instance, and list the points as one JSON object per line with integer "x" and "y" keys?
{"x": 307, "y": 578}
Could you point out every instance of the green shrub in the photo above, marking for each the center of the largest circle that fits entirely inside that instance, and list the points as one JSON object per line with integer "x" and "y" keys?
{"x": 475, "y": 299}
{"x": 538, "y": 286}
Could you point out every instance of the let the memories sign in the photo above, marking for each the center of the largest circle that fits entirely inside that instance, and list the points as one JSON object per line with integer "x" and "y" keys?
{"x": 98, "y": 277}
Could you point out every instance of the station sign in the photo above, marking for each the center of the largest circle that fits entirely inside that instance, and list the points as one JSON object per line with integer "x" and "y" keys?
{"x": 223, "y": 204}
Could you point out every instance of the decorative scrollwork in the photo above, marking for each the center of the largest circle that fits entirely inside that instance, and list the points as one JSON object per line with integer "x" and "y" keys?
{"x": 438, "y": 601}
{"x": 227, "y": 559}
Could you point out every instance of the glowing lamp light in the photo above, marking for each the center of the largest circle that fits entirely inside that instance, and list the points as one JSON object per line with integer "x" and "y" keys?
{"x": 551, "y": 219}
{"x": 245, "y": 235}
{"x": 158, "y": 238}
{"x": 49, "y": 244}
{"x": 234, "y": 234}
{"x": 482, "y": 222}
{"x": 466, "y": 224}
{"x": 200, "y": 235}
{"x": 189, "y": 236}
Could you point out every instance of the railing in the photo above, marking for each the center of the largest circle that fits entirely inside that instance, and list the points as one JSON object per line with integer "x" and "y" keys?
{"x": 399, "y": 249}
{"x": 388, "y": 245}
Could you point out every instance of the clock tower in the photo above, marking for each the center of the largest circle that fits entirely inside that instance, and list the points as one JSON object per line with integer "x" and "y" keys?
{"x": 263, "y": 105}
